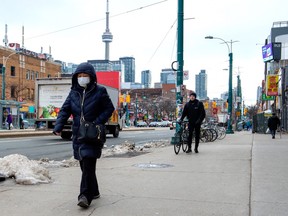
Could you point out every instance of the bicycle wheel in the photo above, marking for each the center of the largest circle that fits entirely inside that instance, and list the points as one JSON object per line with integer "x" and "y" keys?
{"x": 177, "y": 147}
{"x": 185, "y": 136}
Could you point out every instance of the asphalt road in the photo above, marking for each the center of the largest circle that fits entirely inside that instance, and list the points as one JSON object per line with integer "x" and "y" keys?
{"x": 54, "y": 148}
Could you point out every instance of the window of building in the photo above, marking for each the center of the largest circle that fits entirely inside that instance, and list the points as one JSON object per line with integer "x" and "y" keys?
{"x": 27, "y": 74}
{"x": 22, "y": 61}
{"x": 1, "y": 65}
{"x": 32, "y": 75}
{"x": 32, "y": 94}
{"x": 36, "y": 74}
{"x": 13, "y": 73}
{"x": 13, "y": 92}
{"x": 42, "y": 66}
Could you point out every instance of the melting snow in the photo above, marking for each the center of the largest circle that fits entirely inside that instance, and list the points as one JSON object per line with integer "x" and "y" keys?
{"x": 30, "y": 172}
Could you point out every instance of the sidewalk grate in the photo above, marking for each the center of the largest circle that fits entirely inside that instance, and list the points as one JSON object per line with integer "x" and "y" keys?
{"x": 152, "y": 165}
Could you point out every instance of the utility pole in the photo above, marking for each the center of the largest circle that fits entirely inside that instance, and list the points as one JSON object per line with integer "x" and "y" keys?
{"x": 179, "y": 80}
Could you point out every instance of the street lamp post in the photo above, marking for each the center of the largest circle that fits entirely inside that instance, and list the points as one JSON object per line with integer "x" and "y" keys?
{"x": 136, "y": 111}
{"x": 5, "y": 59}
{"x": 229, "y": 129}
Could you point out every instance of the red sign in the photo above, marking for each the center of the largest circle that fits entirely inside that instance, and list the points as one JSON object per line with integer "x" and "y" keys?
{"x": 109, "y": 78}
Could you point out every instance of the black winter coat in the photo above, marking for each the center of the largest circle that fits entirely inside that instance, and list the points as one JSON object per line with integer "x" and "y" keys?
{"x": 97, "y": 107}
{"x": 195, "y": 112}
{"x": 273, "y": 122}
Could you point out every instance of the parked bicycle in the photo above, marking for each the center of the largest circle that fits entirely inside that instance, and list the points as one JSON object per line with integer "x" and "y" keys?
{"x": 183, "y": 135}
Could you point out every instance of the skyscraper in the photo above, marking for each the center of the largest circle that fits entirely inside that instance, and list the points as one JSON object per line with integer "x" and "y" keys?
{"x": 129, "y": 70}
{"x": 146, "y": 78}
{"x": 167, "y": 76}
{"x": 201, "y": 84}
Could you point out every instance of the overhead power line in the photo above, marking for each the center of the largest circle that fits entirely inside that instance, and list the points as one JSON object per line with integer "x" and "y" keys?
{"x": 93, "y": 21}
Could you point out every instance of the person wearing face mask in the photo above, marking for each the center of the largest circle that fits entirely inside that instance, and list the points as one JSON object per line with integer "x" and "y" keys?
{"x": 93, "y": 99}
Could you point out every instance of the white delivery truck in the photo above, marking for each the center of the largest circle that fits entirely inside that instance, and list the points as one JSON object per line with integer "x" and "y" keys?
{"x": 50, "y": 94}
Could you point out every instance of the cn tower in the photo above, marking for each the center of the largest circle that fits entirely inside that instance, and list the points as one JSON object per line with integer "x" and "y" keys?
{"x": 107, "y": 36}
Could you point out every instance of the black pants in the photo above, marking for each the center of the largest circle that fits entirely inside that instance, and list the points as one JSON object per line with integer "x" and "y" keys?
{"x": 273, "y": 132}
{"x": 89, "y": 184}
{"x": 196, "y": 129}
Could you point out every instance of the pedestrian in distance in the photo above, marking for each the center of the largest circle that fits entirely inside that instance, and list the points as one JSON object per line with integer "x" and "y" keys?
{"x": 9, "y": 121}
{"x": 93, "y": 100}
{"x": 273, "y": 124}
{"x": 195, "y": 112}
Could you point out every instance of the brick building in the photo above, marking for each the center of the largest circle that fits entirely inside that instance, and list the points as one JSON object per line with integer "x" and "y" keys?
{"x": 22, "y": 68}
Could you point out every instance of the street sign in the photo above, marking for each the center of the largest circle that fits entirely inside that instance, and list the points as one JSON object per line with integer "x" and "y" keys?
{"x": 185, "y": 75}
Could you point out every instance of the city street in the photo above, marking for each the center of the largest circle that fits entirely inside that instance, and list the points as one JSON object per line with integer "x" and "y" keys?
{"x": 245, "y": 174}
{"x": 55, "y": 148}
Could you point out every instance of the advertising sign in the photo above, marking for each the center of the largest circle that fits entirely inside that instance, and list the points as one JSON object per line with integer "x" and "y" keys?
{"x": 272, "y": 85}
{"x": 266, "y": 98}
{"x": 271, "y": 51}
{"x": 267, "y": 52}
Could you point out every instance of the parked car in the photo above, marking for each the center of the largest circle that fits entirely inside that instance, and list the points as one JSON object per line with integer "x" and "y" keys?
{"x": 154, "y": 124}
{"x": 142, "y": 124}
{"x": 165, "y": 124}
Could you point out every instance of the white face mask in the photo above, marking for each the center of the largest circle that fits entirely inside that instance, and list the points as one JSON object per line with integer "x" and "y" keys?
{"x": 83, "y": 81}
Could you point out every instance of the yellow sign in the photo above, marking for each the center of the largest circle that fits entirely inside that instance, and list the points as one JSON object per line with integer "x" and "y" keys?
{"x": 272, "y": 85}
{"x": 127, "y": 98}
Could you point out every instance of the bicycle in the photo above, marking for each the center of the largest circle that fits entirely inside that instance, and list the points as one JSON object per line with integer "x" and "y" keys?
{"x": 183, "y": 135}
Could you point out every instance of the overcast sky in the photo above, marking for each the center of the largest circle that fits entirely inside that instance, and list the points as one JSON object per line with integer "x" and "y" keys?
{"x": 146, "y": 30}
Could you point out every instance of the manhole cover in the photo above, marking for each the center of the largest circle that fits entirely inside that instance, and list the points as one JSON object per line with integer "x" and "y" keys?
{"x": 152, "y": 165}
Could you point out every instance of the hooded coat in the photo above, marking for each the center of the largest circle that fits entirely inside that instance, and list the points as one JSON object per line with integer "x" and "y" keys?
{"x": 97, "y": 107}
{"x": 273, "y": 122}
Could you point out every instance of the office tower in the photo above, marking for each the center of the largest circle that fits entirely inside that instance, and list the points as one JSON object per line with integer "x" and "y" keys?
{"x": 201, "y": 84}
{"x": 167, "y": 76}
{"x": 146, "y": 78}
{"x": 129, "y": 70}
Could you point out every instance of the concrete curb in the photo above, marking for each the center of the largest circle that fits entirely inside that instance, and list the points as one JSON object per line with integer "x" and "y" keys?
{"x": 33, "y": 132}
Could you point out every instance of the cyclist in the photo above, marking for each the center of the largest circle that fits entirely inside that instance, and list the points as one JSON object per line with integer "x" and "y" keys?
{"x": 195, "y": 112}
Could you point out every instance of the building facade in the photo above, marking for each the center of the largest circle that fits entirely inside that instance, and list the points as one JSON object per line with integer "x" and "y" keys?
{"x": 167, "y": 76}
{"x": 277, "y": 68}
{"x": 129, "y": 71}
{"x": 146, "y": 78}
{"x": 21, "y": 72}
{"x": 201, "y": 84}
{"x": 22, "y": 68}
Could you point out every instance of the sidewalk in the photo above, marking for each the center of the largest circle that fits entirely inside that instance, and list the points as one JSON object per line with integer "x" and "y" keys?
{"x": 244, "y": 174}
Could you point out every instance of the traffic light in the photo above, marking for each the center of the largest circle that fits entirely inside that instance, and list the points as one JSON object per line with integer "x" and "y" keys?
{"x": 214, "y": 104}
{"x": 206, "y": 105}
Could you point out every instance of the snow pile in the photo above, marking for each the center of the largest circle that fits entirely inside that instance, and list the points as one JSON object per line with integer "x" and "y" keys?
{"x": 24, "y": 171}
{"x": 56, "y": 164}
{"x": 127, "y": 147}
{"x": 29, "y": 172}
